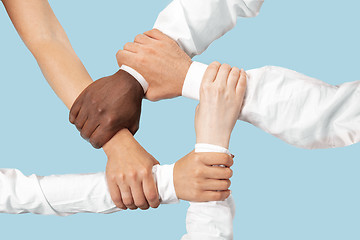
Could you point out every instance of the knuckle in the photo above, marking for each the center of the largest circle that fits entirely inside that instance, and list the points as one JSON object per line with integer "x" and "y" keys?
{"x": 144, "y": 207}
{"x": 227, "y": 184}
{"x": 127, "y": 46}
{"x": 197, "y": 158}
{"x": 132, "y": 175}
{"x": 118, "y": 54}
{"x": 226, "y": 67}
{"x": 95, "y": 143}
{"x": 100, "y": 109}
{"x": 120, "y": 176}
{"x": 110, "y": 120}
{"x": 229, "y": 173}
{"x": 152, "y": 197}
{"x": 138, "y": 37}
{"x": 128, "y": 202}
{"x": 111, "y": 177}
{"x": 215, "y": 64}
{"x": 93, "y": 101}
{"x": 235, "y": 70}
{"x": 197, "y": 172}
{"x": 84, "y": 135}
{"x": 141, "y": 204}
{"x": 144, "y": 172}
{"x": 117, "y": 201}
{"x": 230, "y": 161}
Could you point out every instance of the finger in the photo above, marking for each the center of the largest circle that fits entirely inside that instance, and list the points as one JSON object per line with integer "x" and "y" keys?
{"x": 88, "y": 129}
{"x": 216, "y": 185}
{"x": 101, "y": 136}
{"x": 116, "y": 195}
{"x": 150, "y": 191}
{"x": 131, "y": 47}
{"x": 216, "y": 172}
{"x": 223, "y": 74}
{"x": 75, "y": 108}
{"x": 211, "y": 159}
{"x": 143, "y": 39}
{"x": 211, "y": 72}
{"x": 156, "y": 34}
{"x": 126, "y": 196}
{"x": 139, "y": 196}
{"x": 80, "y": 119}
{"x": 216, "y": 195}
{"x": 124, "y": 57}
{"x": 233, "y": 78}
{"x": 241, "y": 85}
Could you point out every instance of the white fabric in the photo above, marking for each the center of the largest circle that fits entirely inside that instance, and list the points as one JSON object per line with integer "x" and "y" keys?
{"x": 194, "y": 25}
{"x": 298, "y": 109}
{"x": 69, "y": 194}
{"x": 144, "y": 84}
{"x": 210, "y": 220}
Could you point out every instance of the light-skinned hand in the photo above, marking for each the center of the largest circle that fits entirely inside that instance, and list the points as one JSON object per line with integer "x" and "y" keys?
{"x": 129, "y": 173}
{"x": 221, "y": 96}
{"x": 197, "y": 180}
{"x": 159, "y": 60}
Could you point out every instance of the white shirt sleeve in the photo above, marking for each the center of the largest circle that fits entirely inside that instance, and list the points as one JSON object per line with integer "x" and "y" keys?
{"x": 210, "y": 220}
{"x": 194, "y": 25}
{"x": 69, "y": 194}
{"x": 300, "y": 110}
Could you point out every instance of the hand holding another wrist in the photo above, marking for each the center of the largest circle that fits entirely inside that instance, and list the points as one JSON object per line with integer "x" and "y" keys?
{"x": 197, "y": 180}
{"x": 106, "y": 106}
{"x": 221, "y": 95}
{"x": 160, "y": 61}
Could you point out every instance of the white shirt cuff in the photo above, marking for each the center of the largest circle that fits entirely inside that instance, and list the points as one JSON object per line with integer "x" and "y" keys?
{"x": 194, "y": 76}
{"x": 205, "y": 147}
{"x": 137, "y": 76}
{"x": 165, "y": 182}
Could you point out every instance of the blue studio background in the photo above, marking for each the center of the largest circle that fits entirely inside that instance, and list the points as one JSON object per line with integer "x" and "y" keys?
{"x": 281, "y": 192}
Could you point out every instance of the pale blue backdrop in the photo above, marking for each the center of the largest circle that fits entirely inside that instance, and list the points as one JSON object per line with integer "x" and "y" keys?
{"x": 281, "y": 192}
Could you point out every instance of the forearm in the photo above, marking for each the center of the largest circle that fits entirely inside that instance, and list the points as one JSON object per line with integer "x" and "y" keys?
{"x": 68, "y": 194}
{"x": 42, "y": 33}
{"x": 298, "y": 109}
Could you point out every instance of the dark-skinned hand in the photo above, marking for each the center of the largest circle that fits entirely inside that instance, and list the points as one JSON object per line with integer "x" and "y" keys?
{"x": 107, "y": 106}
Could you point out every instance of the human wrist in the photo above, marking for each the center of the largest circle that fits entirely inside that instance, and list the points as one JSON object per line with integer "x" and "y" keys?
{"x": 121, "y": 138}
{"x": 132, "y": 83}
{"x": 137, "y": 76}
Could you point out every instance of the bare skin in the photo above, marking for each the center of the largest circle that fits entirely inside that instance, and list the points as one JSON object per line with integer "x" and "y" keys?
{"x": 106, "y": 106}
{"x": 159, "y": 60}
{"x": 43, "y": 35}
{"x": 221, "y": 96}
{"x": 196, "y": 178}
{"x": 129, "y": 167}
